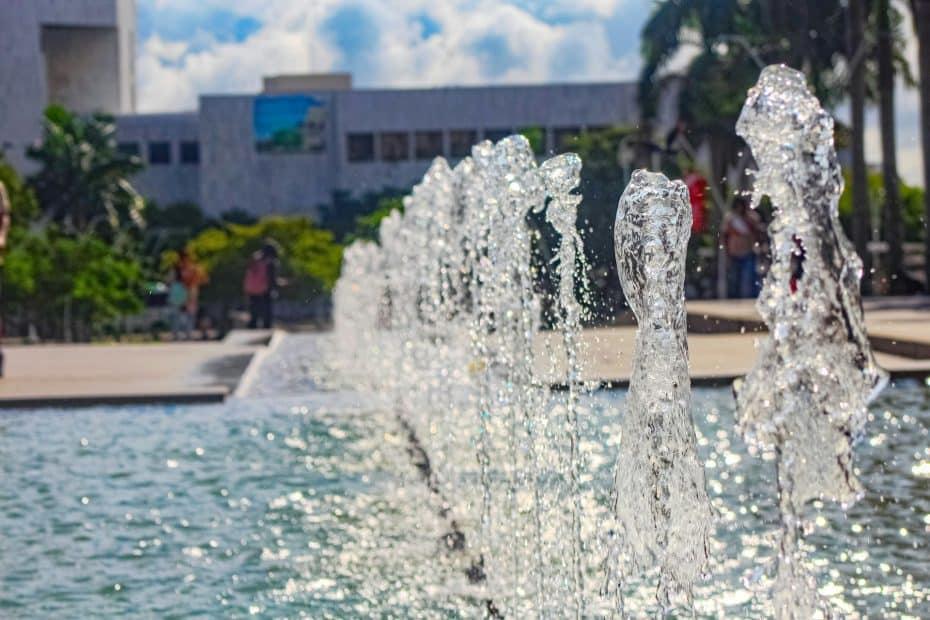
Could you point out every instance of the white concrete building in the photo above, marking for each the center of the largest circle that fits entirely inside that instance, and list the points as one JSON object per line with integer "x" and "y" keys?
{"x": 77, "y": 53}
{"x": 289, "y": 149}
{"x": 286, "y": 149}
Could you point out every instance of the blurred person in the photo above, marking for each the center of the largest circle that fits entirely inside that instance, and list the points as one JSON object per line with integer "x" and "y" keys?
{"x": 261, "y": 285}
{"x": 181, "y": 323}
{"x": 192, "y": 275}
{"x": 742, "y": 231}
{"x": 5, "y": 222}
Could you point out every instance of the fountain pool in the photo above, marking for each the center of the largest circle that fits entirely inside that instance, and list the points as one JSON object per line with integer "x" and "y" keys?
{"x": 301, "y": 501}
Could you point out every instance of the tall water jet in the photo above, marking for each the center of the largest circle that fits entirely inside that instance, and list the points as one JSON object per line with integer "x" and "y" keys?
{"x": 507, "y": 321}
{"x": 562, "y": 175}
{"x": 660, "y": 501}
{"x": 806, "y": 397}
{"x": 456, "y": 359}
{"x": 358, "y": 295}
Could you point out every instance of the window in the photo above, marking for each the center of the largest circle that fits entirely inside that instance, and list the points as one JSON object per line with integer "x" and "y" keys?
{"x": 495, "y": 135}
{"x": 128, "y": 148}
{"x": 395, "y": 146}
{"x": 461, "y": 141}
{"x": 190, "y": 152}
{"x": 361, "y": 146}
{"x": 159, "y": 153}
{"x": 565, "y": 138}
{"x": 428, "y": 144}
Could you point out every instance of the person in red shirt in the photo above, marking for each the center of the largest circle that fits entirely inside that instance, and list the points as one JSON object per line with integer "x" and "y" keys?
{"x": 697, "y": 190}
{"x": 261, "y": 285}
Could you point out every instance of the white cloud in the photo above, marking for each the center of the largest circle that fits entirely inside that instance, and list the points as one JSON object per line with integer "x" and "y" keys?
{"x": 479, "y": 41}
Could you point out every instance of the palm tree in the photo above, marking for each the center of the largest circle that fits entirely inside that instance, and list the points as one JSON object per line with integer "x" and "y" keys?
{"x": 921, "y": 14}
{"x": 83, "y": 180}
{"x": 857, "y": 93}
{"x": 733, "y": 39}
{"x": 892, "y": 208}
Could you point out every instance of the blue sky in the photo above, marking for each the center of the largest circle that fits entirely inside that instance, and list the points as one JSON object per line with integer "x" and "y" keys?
{"x": 190, "y": 47}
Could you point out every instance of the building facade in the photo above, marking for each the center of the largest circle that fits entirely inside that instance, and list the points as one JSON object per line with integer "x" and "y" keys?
{"x": 76, "y": 53}
{"x": 288, "y": 150}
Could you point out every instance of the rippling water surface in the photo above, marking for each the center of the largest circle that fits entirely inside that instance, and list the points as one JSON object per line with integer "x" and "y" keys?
{"x": 304, "y": 502}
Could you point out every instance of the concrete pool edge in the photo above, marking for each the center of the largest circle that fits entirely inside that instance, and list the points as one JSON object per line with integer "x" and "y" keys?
{"x": 190, "y": 397}
{"x": 89, "y": 375}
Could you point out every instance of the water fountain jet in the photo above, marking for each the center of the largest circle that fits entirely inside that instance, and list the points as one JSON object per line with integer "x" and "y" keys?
{"x": 806, "y": 397}
{"x": 659, "y": 498}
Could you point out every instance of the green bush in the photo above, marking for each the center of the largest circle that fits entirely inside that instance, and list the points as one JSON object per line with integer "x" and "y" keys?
{"x": 63, "y": 283}
{"x": 912, "y": 206}
{"x": 310, "y": 258}
{"x": 67, "y": 284}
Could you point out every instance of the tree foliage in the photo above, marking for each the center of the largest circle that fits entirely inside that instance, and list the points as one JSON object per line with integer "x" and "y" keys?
{"x": 717, "y": 47}
{"x": 602, "y": 183}
{"x": 310, "y": 258}
{"x": 83, "y": 180}
{"x": 67, "y": 284}
{"x": 60, "y": 282}
{"x": 912, "y": 206}
{"x": 342, "y": 215}
{"x": 368, "y": 226}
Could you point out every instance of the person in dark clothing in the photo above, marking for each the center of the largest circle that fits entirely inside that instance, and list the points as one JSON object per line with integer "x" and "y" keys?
{"x": 261, "y": 285}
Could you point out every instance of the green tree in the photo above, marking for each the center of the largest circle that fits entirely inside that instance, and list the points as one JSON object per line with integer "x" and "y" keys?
{"x": 23, "y": 204}
{"x": 602, "y": 182}
{"x": 342, "y": 215}
{"x": 83, "y": 180}
{"x": 856, "y": 51}
{"x": 66, "y": 285}
{"x": 310, "y": 258}
{"x": 892, "y": 209}
{"x": 69, "y": 286}
{"x": 171, "y": 227}
{"x": 728, "y": 41}
{"x": 920, "y": 10}
{"x": 911, "y": 197}
{"x": 368, "y": 226}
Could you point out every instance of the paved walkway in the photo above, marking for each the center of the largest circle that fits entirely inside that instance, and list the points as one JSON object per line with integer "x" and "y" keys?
{"x": 721, "y": 349}
{"x": 897, "y": 326}
{"x": 715, "y": 359}
{"x": 86, "y": 374}
{"x": 723, "y": 334}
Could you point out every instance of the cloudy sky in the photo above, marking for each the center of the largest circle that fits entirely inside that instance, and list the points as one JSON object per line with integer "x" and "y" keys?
{"x": 190, "y": 47}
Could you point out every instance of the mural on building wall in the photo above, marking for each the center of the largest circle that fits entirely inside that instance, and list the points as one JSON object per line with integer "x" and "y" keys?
{"x": 289, "y": 124}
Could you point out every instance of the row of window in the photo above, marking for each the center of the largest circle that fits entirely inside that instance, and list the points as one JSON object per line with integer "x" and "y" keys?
{"x": 395, "y": 146}
{"x": 160, "y": 153}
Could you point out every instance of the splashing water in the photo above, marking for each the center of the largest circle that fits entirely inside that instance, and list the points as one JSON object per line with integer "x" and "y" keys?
{"x": 660, "y": 502}
{"x": 806, "y": 397}
{"x": 442, "y": 321}
{"x": 453, "y": 351}
{"x": 562, "y": 176}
